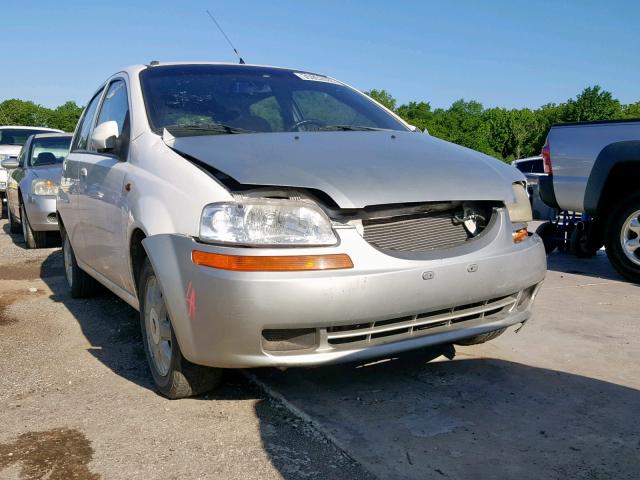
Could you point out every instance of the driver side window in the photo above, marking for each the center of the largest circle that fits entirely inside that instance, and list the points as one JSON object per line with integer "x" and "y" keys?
{"x": 81, "y": 138}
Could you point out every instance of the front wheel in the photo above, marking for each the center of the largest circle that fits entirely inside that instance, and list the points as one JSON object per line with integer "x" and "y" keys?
{"x": 14, "y": 227}
{"x": 174, "y": 376}
{"x": 622, "y": 238}
{"x": 32, "y": 239}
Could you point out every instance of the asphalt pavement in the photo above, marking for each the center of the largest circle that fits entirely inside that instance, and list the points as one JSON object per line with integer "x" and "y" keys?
{"x": 559, "y": 399}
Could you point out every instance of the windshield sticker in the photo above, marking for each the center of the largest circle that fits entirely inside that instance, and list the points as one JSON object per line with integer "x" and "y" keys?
{"x": 316, "y": 78}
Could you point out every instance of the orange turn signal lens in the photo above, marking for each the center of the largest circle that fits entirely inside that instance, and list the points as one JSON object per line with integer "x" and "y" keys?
{"x": 520, "y": 235}
{"x": 272, "y": 263}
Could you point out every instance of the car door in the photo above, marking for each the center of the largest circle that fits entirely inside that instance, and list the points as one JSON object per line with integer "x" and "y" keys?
{"x": 102, "y": 189}
{"x": 73, "y": 171}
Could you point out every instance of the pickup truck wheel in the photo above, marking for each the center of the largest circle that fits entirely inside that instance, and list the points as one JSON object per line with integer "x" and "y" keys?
{"x": 174, "y": 376}
{"x": 14, "y": 227}
{"x": 81, "y": 284}
{"x": 31, "y": 239}
{"x": 581, "y": 245}
{"x": 622, "y": 238}
{"x": 483, "y": 337}
{"x": 548, "y": 232}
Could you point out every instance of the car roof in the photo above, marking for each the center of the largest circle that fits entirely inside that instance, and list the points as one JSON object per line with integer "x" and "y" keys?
{"x": 52, "y": 135}
{"x": 135, "y": 69}
{"x": 30, "y": 127}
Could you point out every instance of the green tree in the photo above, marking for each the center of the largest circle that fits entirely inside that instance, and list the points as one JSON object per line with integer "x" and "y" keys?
{"x": 592, "y": 104}
{"x": 383, "y": 97}
{"x": 65, "y": 117}
{"x": 418, "y": 114}
{"x": 631, "y": 111}
{"x": 20, "y": 112}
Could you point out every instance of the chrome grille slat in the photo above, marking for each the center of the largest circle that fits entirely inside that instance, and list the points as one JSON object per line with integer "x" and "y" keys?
{"x": 421, "y": 320}
{"x": 418, "y": 233}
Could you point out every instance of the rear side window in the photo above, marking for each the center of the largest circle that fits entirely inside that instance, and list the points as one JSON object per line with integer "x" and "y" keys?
{"x": 81, "y": 139}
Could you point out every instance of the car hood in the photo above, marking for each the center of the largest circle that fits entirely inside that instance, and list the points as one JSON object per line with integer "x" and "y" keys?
{"x": 51, "y": 172}
{"x": 356, "y": 169}
{"x": 13, "y": 150}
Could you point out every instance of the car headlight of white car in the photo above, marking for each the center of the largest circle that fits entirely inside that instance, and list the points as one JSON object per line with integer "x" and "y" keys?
{"x": 520, "y": 211}
{"x": 44, "y": 186}
{"x": 266, "y": 222}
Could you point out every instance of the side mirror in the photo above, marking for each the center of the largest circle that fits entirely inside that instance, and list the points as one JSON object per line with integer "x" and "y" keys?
{"x": 9, "y": 163}
{"x": 104, "y": 136}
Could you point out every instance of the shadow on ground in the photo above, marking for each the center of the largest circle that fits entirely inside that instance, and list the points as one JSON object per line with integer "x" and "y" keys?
{"x": 597, "y": 266}
{"x": 473, "y": 418}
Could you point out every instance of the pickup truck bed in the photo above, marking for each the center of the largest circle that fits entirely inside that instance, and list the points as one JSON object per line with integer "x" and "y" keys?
{"x": 594, "y": 167}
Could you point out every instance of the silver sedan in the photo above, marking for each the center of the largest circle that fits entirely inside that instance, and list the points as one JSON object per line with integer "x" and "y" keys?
{"x": 32, "y": 185}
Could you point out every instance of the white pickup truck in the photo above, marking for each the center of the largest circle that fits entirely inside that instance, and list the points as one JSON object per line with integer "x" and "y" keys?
{"x": 594, "y": 167}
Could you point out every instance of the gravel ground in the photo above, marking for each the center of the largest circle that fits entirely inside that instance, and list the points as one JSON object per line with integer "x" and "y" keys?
{"x": 76, "y": 399}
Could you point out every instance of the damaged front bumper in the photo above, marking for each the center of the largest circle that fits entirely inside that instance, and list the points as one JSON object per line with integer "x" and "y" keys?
{"x": 385, "y": 304}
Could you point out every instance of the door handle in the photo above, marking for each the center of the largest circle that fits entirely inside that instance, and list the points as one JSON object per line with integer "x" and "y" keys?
{"x": 83, "y": 173}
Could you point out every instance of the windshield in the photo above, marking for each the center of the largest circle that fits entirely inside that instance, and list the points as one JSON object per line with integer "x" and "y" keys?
{"x": 49, "y": 150}
{"x": 190, "y": 99}
{"x": 16, "y": 136}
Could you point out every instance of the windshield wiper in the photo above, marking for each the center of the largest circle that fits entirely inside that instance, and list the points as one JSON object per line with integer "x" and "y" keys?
{"x": 347, "y": 128}
{"x": 204, "y": 129}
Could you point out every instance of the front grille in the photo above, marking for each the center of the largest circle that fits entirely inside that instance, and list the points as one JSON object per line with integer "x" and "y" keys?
{"x": 420, "y": 324}
{"x": 415, "y": 233}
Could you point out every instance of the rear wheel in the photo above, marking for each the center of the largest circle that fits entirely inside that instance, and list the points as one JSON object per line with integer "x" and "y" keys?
{"x": 174, "y": 376}
{"x": 483, "y": 337}
{"x": 81, "y": 284}
{"x": 32, "y": 239}
{"x": 622, "y": 238}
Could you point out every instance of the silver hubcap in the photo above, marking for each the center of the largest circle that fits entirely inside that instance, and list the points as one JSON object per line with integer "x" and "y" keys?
{"x": 68, "y": 262}
{"x": 630, "y": 237}
{"x": 157, "y": 327}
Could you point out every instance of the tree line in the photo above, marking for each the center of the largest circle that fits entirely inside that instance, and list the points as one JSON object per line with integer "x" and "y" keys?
{"x": 506, "y": 134}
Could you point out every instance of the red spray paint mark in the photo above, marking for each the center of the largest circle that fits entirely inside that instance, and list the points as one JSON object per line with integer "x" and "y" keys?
{"x": 191, "y": 301}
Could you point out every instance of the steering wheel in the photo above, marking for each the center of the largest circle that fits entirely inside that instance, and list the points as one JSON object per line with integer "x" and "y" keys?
{"x": 309, "y": 121}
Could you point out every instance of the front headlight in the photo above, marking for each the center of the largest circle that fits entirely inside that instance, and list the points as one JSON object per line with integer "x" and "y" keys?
{"x": 44, "y": 187}
{"x": 520, "y": 211}
{"x": 266, "y": 222}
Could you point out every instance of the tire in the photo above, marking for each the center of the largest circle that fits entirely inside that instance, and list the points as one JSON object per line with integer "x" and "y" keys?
{"x": 175, "y": 377}
{"x": 548, "y": 231}
{"x": 81, "y": 284}
{"x": 626, "y": 262}
{"x": 14, "y": 227}
{"x": 32, "y": 239}
{"x": 483, "y": 337}
{"x": 580, "y": 244}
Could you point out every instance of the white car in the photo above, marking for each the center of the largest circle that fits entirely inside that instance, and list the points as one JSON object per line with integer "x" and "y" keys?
{"x": 12, "y": 138}
{"x": 261, "y": 216}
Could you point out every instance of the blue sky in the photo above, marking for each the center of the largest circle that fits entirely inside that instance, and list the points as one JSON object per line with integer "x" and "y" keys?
{"x": 510, "y": 53}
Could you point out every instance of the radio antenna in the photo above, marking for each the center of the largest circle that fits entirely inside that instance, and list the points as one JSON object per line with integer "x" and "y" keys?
{"x": 225, "y": 36}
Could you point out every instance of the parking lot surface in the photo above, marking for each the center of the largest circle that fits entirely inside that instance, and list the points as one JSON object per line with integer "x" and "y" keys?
{"x": 559, "y": 399}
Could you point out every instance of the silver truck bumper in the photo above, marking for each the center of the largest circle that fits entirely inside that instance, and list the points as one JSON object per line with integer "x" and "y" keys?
{"x": 41, "y": 213}
{"x": 383, "y": 305}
